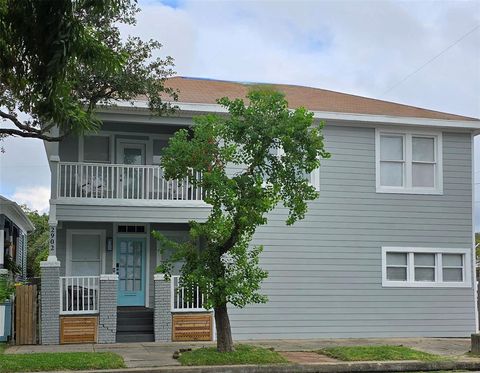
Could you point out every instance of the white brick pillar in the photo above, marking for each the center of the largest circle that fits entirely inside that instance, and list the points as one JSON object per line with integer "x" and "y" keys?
{"x": 107, "y": 309}
{"x": 162, "y": 315}
{"x": 50, "y": 301}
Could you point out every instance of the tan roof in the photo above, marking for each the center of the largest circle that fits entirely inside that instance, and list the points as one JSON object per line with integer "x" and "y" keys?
{"x": 206, "y": 91}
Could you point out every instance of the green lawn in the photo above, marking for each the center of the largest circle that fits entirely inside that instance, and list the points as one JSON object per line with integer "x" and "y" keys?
{"x": 377, "y": 353}
{"x": 243, "y": 354}
{"x": 58, "y": 361}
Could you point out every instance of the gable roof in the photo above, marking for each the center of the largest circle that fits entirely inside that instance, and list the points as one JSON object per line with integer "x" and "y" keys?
{"x": 15, "y": 213}
{"x": 206, "y": 91}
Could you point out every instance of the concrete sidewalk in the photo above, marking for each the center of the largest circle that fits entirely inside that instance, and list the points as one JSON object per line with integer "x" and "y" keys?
{"x": 151, "y": 354}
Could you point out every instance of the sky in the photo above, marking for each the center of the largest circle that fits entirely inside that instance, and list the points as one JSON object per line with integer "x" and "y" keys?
{"x": 421, "y": 53}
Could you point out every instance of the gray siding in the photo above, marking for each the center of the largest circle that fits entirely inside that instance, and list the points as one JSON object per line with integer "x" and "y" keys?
{"x": 325, "y": 271}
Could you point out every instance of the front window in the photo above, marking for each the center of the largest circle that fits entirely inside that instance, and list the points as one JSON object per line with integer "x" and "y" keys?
{"x": 425, "y": 267}
{"x": 96, "y": 149}
{"x": 408, "y": 162}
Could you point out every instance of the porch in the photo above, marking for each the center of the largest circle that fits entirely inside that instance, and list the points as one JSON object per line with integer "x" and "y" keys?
{"x": 83, "y": 303}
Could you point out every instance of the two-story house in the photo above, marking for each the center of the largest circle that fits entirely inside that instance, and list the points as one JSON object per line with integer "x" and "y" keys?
{"x": 385, "y": 251}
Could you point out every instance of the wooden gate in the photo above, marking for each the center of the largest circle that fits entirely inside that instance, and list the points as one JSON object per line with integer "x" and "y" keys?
{"x": 26, "y": 315}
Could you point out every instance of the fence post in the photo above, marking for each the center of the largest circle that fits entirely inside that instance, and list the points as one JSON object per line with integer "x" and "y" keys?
{"x": 107, "y": 309}
{"x": 50, "y": 298}
{"x": 162, "y": 312}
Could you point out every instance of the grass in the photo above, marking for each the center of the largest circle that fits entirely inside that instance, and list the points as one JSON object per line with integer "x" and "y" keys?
{"x": 377, "y": 353}
{"x": 58, "y": 361}
{"x": 243, "y": 354}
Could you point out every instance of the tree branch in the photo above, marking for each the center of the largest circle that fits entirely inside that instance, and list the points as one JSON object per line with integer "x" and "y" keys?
{"x": 19, "y": 124}
{"x": 41, "y": 136}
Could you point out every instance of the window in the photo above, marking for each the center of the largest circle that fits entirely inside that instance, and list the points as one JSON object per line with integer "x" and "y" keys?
{"x": 85, "y": 252}
{"x": 131, "y": 229}
{"x": 425, "y": 267}
{"x": 96, "y": 149}
{"x": 409, "y": 162}
{"x": 313, "y": 177}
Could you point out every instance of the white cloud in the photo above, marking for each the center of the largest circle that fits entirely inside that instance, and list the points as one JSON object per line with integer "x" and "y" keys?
{"x": 36, "y": 198}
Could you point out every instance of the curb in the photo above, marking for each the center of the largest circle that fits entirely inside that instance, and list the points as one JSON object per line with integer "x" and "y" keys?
{"x": 403, "y": 366}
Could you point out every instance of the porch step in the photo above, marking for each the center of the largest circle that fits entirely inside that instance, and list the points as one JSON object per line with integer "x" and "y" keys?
{"x": 135, "y": 324}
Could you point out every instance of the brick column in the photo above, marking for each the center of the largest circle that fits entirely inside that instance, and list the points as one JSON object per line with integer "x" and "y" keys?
{"x": 107, "y": 308}
{"x": 50, "y": 302}
{"x": 162, "y": 312}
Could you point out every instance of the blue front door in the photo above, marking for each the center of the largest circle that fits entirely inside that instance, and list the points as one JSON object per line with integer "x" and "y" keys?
{"x": 131, "y": 271}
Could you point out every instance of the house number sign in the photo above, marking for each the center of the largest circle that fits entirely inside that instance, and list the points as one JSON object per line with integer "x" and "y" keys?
{"x": 53, "y": 240}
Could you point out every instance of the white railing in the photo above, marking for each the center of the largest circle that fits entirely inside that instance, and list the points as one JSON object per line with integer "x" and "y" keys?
{"x": 116, "y": 181}
{"x": 184, "y": 300}
{"x": 79, "y": 294}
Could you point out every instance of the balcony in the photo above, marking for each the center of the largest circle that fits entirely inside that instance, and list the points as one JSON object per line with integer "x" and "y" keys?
{"x": 97, "y": 183}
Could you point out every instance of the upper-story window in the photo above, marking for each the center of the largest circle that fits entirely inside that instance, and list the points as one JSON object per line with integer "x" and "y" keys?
{"x": 96, "y": 149}
{"x": 409, "y": 162}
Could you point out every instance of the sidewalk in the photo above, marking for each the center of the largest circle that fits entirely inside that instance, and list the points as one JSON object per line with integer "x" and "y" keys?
{"x": 151, "y": 354}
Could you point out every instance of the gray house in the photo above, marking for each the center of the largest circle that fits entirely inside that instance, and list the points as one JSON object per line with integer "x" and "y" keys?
{"x": 385, "y": 251}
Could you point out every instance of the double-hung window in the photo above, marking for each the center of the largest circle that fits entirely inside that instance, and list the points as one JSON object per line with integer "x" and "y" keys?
{"x": 426, "y": 267}
{"x": 409, "y": 162}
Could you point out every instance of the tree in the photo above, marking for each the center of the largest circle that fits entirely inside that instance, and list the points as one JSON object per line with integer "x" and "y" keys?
{"x": 59, "y": 59}
{"x": 272, "y": 148}
{"x": 37, "y": 243}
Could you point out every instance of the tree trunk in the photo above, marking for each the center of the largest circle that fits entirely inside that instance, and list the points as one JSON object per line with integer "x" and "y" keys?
{"x": 224, "y": 333}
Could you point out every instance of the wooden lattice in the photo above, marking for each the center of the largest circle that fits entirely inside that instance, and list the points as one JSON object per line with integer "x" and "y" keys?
{"x": 192, "y": 327}
{"x": 78, "y": 329}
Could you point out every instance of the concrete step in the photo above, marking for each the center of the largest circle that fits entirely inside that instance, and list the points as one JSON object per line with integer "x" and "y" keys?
{"x": 123, "y": 337}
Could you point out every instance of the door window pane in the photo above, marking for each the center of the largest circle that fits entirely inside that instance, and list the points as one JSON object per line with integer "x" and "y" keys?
{"x": 96, "y": 149}
{"x": 391, "y": 148}
{"x": 423, "y": 149}
{"x": 391, "y": 174}
{"x": 132, "y": 156}
{"x": 397, "y": 273}
{"x": 423, "y": 175}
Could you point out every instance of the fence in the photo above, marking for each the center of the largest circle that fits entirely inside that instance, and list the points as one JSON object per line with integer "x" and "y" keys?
{"x": 26, "y": 314}
{"x": 79, "y": 295}
{"x": 185, "y": 300}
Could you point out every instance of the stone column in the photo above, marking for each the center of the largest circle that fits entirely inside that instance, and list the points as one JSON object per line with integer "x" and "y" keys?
{"x": 107, "y": 309}
{"x": 50, "y": 302}
{"x": 162, "y": 312}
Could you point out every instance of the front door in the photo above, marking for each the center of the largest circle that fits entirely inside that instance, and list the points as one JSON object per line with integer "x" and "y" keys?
{"x": 131, "y": 271}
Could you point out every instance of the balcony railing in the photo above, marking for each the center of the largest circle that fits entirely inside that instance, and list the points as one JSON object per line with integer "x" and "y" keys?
{"x": 185, "y": 300}
{"x": 79, "y": 294}
{"x": 127, "y": 182}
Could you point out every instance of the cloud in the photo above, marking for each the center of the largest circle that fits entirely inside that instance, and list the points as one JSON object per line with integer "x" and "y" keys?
{"x": 36, "y": 198}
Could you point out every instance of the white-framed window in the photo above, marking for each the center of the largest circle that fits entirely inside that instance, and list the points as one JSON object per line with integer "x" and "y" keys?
{"x": 85, "y": 252}
{"x": 408, "y": 162}
{"x": 426, "y": 267}
{"x": 95, "y": 148}
{"x": 312, "y": 177}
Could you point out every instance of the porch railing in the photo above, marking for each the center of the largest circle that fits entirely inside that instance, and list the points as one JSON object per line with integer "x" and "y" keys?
{"x": 185, "y": 300}
{"x": 118, "y": 181}
{"x": 79, "y": 294}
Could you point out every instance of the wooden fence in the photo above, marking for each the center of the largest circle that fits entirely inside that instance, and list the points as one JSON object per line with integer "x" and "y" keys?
{"x": 26, "y": 315}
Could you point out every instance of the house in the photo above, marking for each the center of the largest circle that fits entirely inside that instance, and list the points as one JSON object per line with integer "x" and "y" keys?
{"x": 385, "y": 251}
{"x": 14, "y": 227}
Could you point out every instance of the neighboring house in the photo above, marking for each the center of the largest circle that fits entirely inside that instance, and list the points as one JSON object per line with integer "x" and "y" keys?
{"x": 387, "y": 250}
{"x": 14, "y": 227}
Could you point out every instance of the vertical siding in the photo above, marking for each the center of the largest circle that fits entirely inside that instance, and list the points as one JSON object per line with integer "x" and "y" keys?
{"x": 325, "y": 272}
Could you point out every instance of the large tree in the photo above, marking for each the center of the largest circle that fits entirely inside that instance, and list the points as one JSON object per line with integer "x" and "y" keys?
{"x": 249, "y": 160}
{"x": 59, "y": 59}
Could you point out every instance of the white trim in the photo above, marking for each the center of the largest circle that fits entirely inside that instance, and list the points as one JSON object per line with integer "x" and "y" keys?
{"x": 372, "y": 118}
{"x": 467, "y": 275}
{"x": 474, "y": 259}
{"x": 68, "y": 251}
{"x": 407, "y": 188}
{"x": 108, "y": 277}
{"x": 129, "y": 202}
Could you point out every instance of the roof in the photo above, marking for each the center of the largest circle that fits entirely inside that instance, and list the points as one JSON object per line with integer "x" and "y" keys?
{"x": 206, "y": 91}
{"x": 15, "y": 213}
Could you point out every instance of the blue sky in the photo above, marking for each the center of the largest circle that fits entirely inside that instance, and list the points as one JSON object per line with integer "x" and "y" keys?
{"x": 359, "y": 47}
